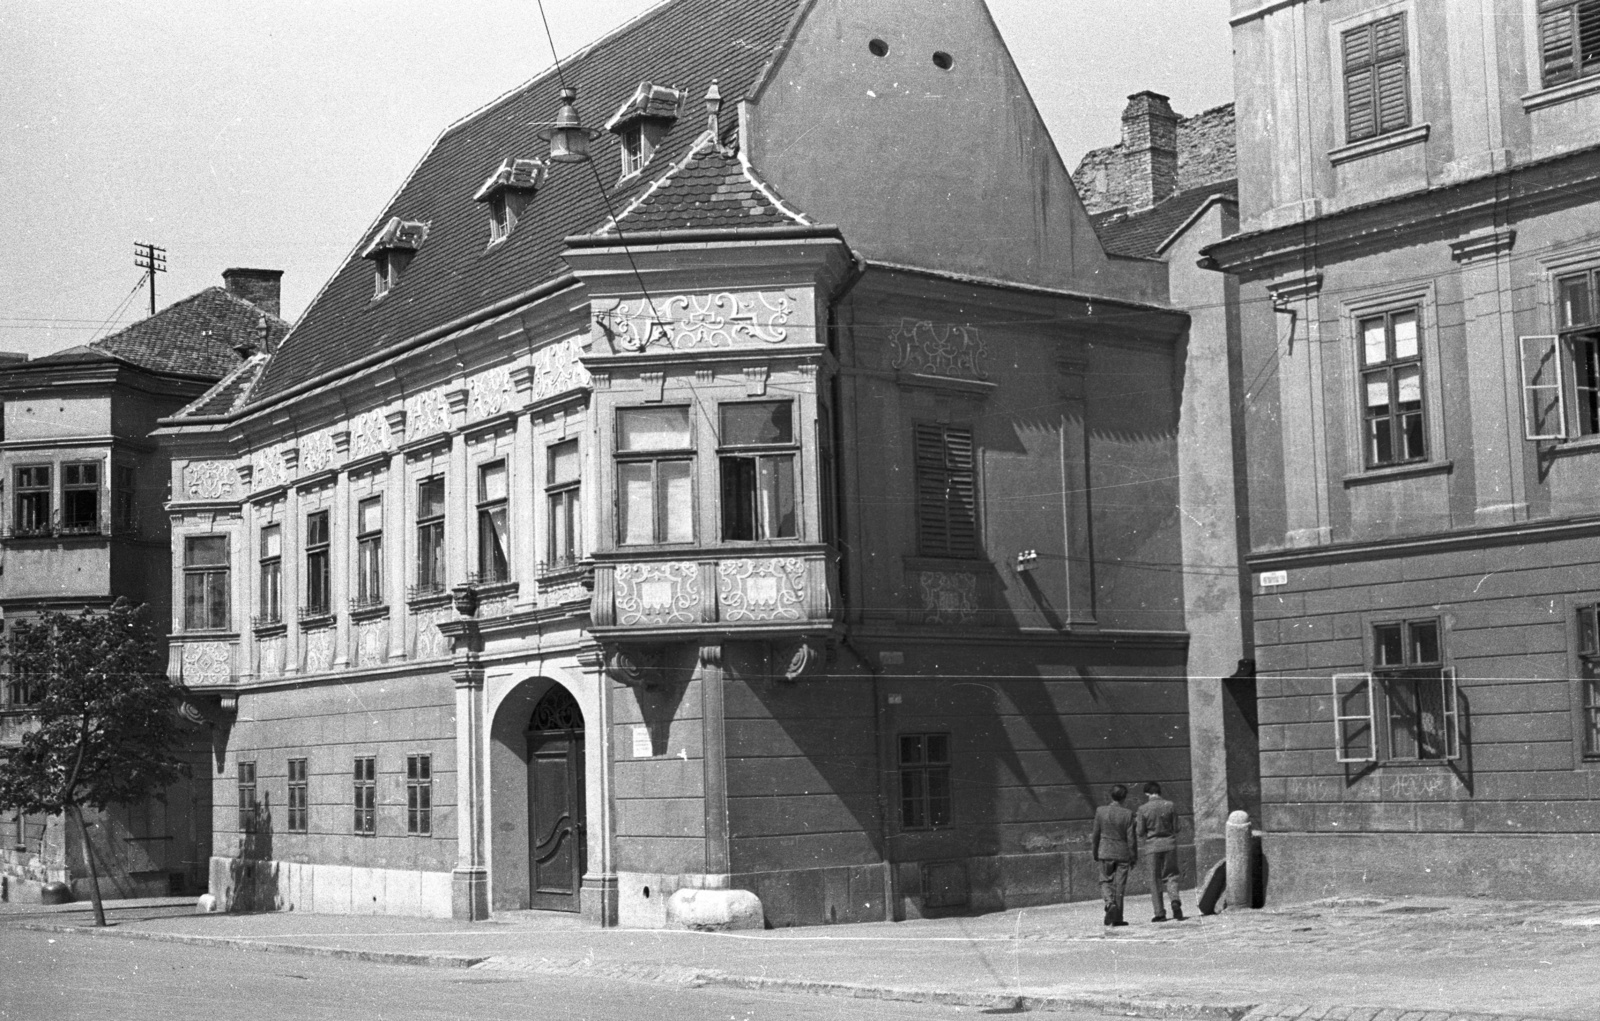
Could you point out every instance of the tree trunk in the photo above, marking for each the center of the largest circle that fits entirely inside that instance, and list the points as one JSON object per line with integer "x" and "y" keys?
{"x": 94, "y": 875}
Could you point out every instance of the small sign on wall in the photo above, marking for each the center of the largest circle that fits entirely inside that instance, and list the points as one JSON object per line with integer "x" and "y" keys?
{"x": 642, "y": 748}
{"x": 1273, "y": 579}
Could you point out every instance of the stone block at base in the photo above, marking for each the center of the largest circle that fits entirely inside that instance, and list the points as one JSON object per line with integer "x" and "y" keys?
{"x": 714, "y": 910}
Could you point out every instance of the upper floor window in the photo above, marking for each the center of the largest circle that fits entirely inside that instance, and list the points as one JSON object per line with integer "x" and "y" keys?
{"x": 1409, "y": 689}
{"x": 642, "y": 123}
{"x": 1377, "y": 88}
{"x": 655, "y": 470}
{"x": 206, "y": 577}
{"x": 392, "y": 250}
{"x": 1393, "y": 417}
{"x": 318, "y": 576}
{"x": 80, "y": 497}
{"x": 947, "y": 508}
{"x": 369, "y": 552}
{"x": 33, "y": 500}
{"x": 563, "y": 499}
{"x": 1561, "y": 374}
{"x": 494, "y": 539}
{"x": 507, "y": 193}
{"x": 758, "y": 452}
{"x": 430, "y": 535}
{"x": 1569, "y": 40}
{"x": 270, "y": 610}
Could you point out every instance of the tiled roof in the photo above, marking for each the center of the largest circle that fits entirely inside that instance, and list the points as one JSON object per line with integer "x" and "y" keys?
{"x": 229, "y": 392}
{"x": 683, "y": 43}
{"x": 710, "y": 189}
{"x": 1142, "y": 234}
{"x": 192, "y": 337}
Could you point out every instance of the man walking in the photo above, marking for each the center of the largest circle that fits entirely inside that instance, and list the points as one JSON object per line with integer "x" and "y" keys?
{"x": 1115, "y": 846}
{"x": 1158, "y": 832}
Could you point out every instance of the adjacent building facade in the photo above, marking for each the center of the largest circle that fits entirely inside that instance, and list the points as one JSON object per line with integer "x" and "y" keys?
{"x": 1418, "y": 260}
{"x": 83, "y": 522}
{"x": 799, "y": 511}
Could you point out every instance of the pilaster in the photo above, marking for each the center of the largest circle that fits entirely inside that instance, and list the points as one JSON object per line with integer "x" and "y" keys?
{"x": 398, "y": 497}
{"x": 1493, "y": 375}
{"x": 1077, "y": 539}
{"x": 599, "y": 897}
{"x": 293, "y": 551}
{"x": 469, "y": 880}
{"x": 714, "y": 760}
{"x": 1297, "y": 300}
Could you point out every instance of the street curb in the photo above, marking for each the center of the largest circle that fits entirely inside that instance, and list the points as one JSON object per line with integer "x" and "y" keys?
{"x": 260, "y": 946}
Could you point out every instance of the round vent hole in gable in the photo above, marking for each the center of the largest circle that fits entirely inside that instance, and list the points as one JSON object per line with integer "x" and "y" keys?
{"x": 878, "y": 48}
{"x": 942, "y": 60}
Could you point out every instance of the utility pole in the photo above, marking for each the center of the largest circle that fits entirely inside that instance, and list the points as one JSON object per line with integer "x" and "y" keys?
{"x": 152, "y": 260}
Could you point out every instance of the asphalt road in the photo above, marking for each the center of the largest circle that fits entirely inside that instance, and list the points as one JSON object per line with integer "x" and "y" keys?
{"x": 66, "y": 977}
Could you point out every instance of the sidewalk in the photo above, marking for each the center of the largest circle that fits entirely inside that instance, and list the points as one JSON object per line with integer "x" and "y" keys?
{"x": 1351, "y": 959}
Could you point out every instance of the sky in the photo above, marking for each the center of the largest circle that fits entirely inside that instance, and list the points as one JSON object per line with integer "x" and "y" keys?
{"x": 271, "y": 133}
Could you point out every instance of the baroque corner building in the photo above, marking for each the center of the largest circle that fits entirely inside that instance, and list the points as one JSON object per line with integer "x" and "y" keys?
{"x": 796, "y": 512}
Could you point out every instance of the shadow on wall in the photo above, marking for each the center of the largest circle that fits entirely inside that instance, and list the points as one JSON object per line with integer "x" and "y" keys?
{"x": 253, "y": 875}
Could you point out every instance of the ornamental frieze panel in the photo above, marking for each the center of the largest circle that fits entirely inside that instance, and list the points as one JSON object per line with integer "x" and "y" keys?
{"x": 557, "y": 369}
{"x": 207, "y": 663}
{"x": 428, "y": 642}
{"x": 491, "y": 393}
{"x": 426, "y": 414}
{"x": 267, "y": 470}
{"x": 369, "y": 434}
{"x": 271, "y": 652}
{"x": 657, "y": 594}
{"x": 319, "y": 650}
{"x": 938, "y": 349}
{"x": 948, "y": 597}
{"x": 317, "y": 453}
{"x": 211, "y": 480}
{"x": 762, "y": 590}
{"x": 371, "y": 642}
{"x": 687, "y": 322}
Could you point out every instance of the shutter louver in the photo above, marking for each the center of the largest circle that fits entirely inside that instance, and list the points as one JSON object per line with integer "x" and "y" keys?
{"x": 1376, "y": 79}
{"x": 946, "y": 495}
{"x": 1589, "y": 37}
{"x": 1361, "y": 120}
{"x": 1555, "y": 45}
{"x": 1394, "y": 100}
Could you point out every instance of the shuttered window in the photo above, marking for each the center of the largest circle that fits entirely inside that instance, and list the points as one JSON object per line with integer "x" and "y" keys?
{"x": 1377, "y": 89}
{"x": 1569, "y": 39}
{"x": 947, "y": 513}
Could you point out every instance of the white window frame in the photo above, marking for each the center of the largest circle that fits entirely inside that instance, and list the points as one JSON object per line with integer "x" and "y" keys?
{"x": 1351, "y": 684}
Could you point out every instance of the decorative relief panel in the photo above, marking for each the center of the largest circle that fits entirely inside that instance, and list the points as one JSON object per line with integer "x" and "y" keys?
{"x": 319, "y": 650}
{"x": 207, "y": 663}
{"x": 427, "y": 413}
{"x": 267, "y": 470}
{"x": 761, "y": 590}
{"x": 316, "y": 453}
{"x": 497, "y": 605}
{"x": 427, "y": 641}
{"x": 369, "y": 434}
{"x": 210, "y": 480}
{"x": 271, "y": 653}
{"x": 491, "y": 393}
{"x": 556, "y": 369}
{"x": 658, "y": 594}
{"x": 948, "y": 597}
{"x": 938, "y": 349}
{"x": 372, "y": 642}
{"x": 691, "y": 321}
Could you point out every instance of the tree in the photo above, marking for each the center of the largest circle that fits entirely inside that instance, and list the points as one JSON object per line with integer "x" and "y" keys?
{"x": 102, "y": 727}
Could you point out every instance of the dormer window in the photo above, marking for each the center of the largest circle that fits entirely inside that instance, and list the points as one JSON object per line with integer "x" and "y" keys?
{"x": 643, "y": 122}
{"x": 392, "y": 251}
{"x": 507, "y": 193}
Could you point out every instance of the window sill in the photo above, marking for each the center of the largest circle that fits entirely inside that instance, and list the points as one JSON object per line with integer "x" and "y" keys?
{"x": 971, "y": 565}
{"x": 1563, "y": 93}
{"x": 315, "y": 621}
{"x": 428, "y": 600}
{"x": 1403, "y": 471}
{"x": 368, "y": 611}
{"x": 1571, "y": 448}
{"x": 1383, "y": 143}
{"x": 269, "y": 628}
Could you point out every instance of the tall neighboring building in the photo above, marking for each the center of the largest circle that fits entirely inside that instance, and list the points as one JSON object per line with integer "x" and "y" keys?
{"x": 797, "y": 509}
{"x": 82, "y": 522}
{"x": 1419, "y": 267}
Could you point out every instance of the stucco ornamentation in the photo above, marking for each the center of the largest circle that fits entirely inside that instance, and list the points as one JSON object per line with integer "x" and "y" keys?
{"x": 427, "y": 413}
{"x": 948, "y": 597}
{"x": 716, "y": 320}
{"x": 372, "y": 642}
{"x": 428, "y": 641}
{"x": 210, "y": 480}
{"x": 267, "y": 470}
{"x": 658, "y": 594}
{"x": 316, "y": 453}
{"x": 938, "y": 349}
{"x": 497, "y": 605}
{"x": 319, "y": 650}
{"x": 207, "y": 663}
{"x": 369, "y": 434}
{"x": 557, "y": 369}
{"x": 760, "y": 590}
{"x": 271, "y": 652}
{"x": 490, "y": 393}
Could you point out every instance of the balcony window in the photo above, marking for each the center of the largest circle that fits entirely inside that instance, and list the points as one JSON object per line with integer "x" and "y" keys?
{"x": 430, "y": 535}
{"x": 494, "y": 540}
{"x": 757, "y": 455}
{"x": 562, "y": 496}
{"x": 318, "y": 577}
{"x": 270, "y": 610}
{"x": 369, "y": 552}
{"x": 655, "y": 471}
{"x": 33, "y": 500}
{"x": 206, "y": 578}
{"x": 80, "y": 498}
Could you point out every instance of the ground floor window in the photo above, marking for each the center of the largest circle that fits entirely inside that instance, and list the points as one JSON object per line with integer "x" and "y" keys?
{"x": 419, "y": 794}
{"x": 924, "y": 781}
{"x": 366, "y": 795}
{"x": 297, "y": 795}
{"x": 1407, "y": 708}
{"x": 247, "y": 797}
{"x": 1589, "y": 677}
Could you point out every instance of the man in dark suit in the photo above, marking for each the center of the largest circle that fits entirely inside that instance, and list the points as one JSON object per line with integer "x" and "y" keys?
{"x": 1115, "y": 846}
{"x": 1158, "y": 832}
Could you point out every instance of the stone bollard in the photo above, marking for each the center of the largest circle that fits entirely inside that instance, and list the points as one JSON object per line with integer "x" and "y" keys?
{"x": 714, "y": 910}
{"x": 205, "y": 905}
{"x": 1241, "y": 871}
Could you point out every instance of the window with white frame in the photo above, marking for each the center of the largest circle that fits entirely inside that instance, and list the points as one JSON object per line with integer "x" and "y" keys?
{"x": 757, "y": 451}
{"x": 34, "y": 494}
{"x": 1393, "y": 412}
{"x": 369, "y": 552}
{"x": 206, "y": 574}
{"x": 563, "y": 499}
{"x": 1561, "y": 372}
{"x": 1569, "y": 40}
{"x": 655, "y": 471}
{"x": 1407, "y": 708}
{"x": 430, "y": 536}
{"x": 494, "y": 536}
{"x": 270, "y": 607}
{"x": 1377, "y": 85}
{"x": 80, "y": 498}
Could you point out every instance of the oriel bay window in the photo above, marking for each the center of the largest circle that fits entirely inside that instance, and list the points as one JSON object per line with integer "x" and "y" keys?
{"x": 655, "y": 468}
{"x": 318, "y": 593}
{"x": 1561, "y": 373}
{"x": 757, "y": 454}
{"x": 430, "y": 536}
{"x": 369, "y": 552}
{"x": 494, "y": 540}
{"x": 562, "y": 496}
{"x": 80, "y": 498}
{"x": 1393, "y": 417}
{"x": 33, "y": 500}
{"x": 205, "y": 582}
{"x": 1407, "y": 708}
{"x": 270, "y": 610}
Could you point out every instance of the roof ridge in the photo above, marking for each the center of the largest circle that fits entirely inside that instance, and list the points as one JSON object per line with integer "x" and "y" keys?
{"x": 252, "y": 362}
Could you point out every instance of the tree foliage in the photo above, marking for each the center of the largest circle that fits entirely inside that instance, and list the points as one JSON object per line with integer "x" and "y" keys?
{"x": 103, "y": 724}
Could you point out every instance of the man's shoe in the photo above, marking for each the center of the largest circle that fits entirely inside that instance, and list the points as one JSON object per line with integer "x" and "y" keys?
{"x": 1159, "y": 918}
{"x": 1111, "y": 917}
{"x": 1118, "y": 921}
{"x": 1177, "y": 912}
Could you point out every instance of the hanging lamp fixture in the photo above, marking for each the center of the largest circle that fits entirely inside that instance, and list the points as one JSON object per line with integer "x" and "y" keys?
{"x": 569, "y": 139}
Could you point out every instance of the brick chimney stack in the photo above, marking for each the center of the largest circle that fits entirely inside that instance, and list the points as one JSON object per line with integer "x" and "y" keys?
{"x": 1149, "y": 149}
{"x": 260, "y": 287}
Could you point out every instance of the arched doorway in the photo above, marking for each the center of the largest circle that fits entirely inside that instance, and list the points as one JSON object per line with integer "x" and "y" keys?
{"x": 556, "y": 844}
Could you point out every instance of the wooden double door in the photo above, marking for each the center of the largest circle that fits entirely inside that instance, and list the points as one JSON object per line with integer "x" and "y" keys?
{"x": 557, "y": 851}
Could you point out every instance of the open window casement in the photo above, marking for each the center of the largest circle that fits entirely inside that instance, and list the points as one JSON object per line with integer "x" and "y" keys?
{"x": 1449, "y": 696}
{"x": 1544, "y": 402}
{"x": 1354, "y": 721}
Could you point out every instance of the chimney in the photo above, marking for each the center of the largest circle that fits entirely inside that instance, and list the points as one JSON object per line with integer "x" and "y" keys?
{"x": 260, "y": 287}
{"x": 1149, "y": 149}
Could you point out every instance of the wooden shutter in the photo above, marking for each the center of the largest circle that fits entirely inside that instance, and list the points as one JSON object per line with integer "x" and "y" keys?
{"x": 1450, "y": 696}
{"x": 1360, "y": 85}
{"x": 1377, "y": 80}
{"x": 1544, "y": 413}
{"x": 1354, "y": 725}
{"x": 947, "y": 518}
{"x": 1555, "y": 44}
{"x": 1588, "y": 14}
